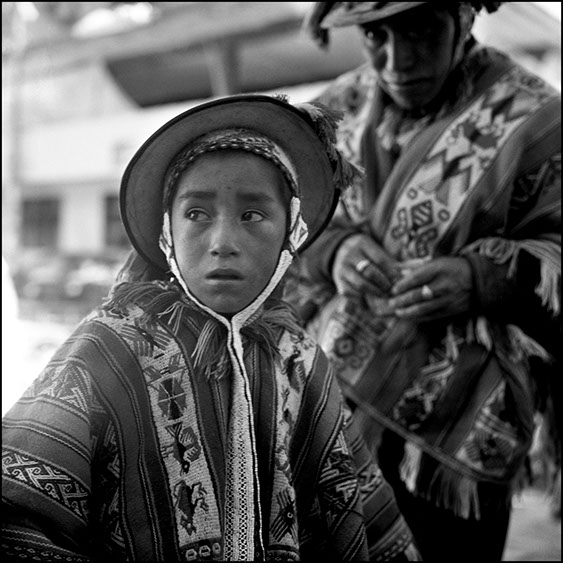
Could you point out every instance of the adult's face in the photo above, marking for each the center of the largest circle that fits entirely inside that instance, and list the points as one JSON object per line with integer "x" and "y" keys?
{"x": 412, "y": 53}
{"x": 228, "y": 225}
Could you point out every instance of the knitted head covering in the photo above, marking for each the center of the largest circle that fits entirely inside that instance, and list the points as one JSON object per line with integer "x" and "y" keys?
{"x": 324, "y": 15}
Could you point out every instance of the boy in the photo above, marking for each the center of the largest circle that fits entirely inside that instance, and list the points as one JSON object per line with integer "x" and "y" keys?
{"x": 191, "y": 418}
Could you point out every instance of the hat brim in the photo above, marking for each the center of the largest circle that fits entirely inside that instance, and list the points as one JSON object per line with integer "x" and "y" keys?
{"x": 364, "y": 12}
{"x": 143, "y": 180}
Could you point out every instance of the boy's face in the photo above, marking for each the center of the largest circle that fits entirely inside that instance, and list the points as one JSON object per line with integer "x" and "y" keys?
{"x": 229, "y": 221}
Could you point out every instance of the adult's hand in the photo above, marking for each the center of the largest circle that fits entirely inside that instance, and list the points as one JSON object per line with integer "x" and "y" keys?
{"x": 362, "y": 268}
{"x": 438, "y": 288}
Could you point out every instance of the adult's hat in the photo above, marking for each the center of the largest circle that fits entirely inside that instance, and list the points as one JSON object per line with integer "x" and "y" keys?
{"x": 293, "y": 130}
{"x": 357, "y": 13}
{"x": 325, "y": 15}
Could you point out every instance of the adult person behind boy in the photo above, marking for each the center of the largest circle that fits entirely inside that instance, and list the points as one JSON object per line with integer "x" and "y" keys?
{"x": 190, "y": 417}
{"x": 441, "y": 270}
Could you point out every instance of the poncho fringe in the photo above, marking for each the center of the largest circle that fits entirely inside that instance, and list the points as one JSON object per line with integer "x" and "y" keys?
{"x": 547, "y": 252}
{"x": 210, "y": 353}
{"x": 447, "y": 488}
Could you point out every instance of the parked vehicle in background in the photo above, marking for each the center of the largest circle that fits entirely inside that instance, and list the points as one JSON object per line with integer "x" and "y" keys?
{"x": 63, "y": 284}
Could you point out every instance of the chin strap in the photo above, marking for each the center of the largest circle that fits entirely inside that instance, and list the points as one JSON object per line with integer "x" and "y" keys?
{"x": 243, "y": 514}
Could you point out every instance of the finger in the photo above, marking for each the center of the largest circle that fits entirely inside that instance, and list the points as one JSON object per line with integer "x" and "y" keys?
{"x": 347, "y": 285}
{"x": 414, "y": 296}
{"x": 413, "y": 280}
{"x": 424, "y": 310}
{"x": 422, "y": 274}
{"x": 374, "y": 279}
{"x": 389, "y": 267}
{"x": 351, "y": 282}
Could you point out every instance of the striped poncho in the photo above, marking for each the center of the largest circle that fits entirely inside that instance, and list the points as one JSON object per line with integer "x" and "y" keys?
{"x": 118, "y": 450}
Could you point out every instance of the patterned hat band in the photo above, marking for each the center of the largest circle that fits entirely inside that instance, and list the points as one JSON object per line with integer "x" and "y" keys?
{"x": 235, "y": 139}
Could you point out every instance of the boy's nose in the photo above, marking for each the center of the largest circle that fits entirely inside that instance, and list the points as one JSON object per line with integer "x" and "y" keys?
{"x": 224, "y": 239}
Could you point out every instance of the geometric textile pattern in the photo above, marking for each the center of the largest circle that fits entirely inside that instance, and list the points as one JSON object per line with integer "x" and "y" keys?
{"x": 172, "y": 397}
{"x": 47, "y": 480}
{"x": 338, "y": 486}
{"x": 418, "y": 400}
{"x": 290, "y": 380}
{"x": 130, "y": 462}
{"x": 439, "y": 187}
{"x": 106, "y": 492}
{"x": 69, "y": 386}
{"x": 285, "y": 522}
{"x": 23, "y": 544}
{"x": 351, "y": 336}
{"x": 492, "y": 444}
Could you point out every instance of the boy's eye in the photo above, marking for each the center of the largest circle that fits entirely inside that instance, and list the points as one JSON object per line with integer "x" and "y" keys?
{"x": 197, "y": 215}
{"x": 252, "y": 216}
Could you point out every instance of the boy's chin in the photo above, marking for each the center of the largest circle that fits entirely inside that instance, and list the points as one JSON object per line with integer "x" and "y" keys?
{"x": 226, "y": 310}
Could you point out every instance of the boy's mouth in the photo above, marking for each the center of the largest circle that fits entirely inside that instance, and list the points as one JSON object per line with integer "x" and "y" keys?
{"x": 224, "y": 274}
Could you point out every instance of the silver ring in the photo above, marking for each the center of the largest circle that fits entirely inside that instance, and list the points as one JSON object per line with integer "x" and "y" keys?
{"x": 362, "y": 265}
{"x": 427, "y": 293}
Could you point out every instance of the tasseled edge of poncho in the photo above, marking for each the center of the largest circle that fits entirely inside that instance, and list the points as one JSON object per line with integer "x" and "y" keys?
{"x": 453, "y": 490}
{"x": 166, "y": 302}
{"x": 518, "y": 346}
{"x": 501, "y": 251}
{"x": 447, "y": 487}
{"x": 211, "y": 353}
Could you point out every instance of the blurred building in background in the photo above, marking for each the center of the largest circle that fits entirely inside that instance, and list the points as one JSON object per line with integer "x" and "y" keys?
{"x": 84, "y": 83}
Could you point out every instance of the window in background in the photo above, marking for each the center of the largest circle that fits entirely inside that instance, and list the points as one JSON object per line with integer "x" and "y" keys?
{"x": 40, "y": 222}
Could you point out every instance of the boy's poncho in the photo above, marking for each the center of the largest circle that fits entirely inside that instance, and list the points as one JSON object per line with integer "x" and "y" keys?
{"x": 165, "y": 431}
{"x": 119, "y": 451}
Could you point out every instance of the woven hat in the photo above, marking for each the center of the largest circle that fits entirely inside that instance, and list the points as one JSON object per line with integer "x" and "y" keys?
{"x": 326, "y": 15}
{"x": 356, "y": 13}
{"x": 305, "y": 133}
